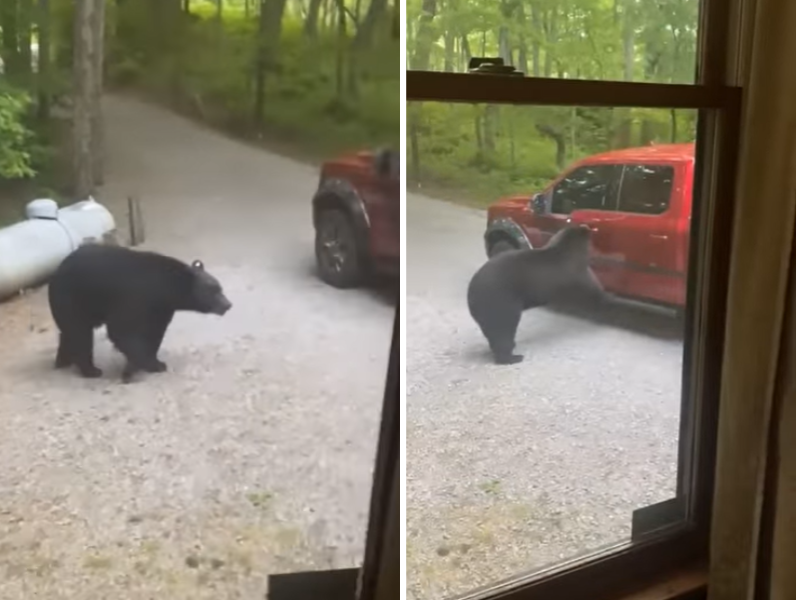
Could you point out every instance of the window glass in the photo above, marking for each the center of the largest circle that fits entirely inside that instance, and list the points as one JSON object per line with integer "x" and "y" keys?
{"x": 646, "y": 189}
{"x": 626, "y": 40}
{"x": 260, "y": 138}
{"x": 586, "y": 188}
{"x": 520, "y": 466}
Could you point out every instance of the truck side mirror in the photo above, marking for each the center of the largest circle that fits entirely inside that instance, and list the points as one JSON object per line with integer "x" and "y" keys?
{"x": 537, "y": 204}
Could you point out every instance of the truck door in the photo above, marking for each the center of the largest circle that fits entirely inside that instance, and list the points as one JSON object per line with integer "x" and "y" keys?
{"x": 587, "y": 195}
{"x": 646, "y": 232}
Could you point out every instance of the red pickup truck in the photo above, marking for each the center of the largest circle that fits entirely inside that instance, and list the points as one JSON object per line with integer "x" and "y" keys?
{"x": 638, "y": 204}
{"x": 356, "y": 215}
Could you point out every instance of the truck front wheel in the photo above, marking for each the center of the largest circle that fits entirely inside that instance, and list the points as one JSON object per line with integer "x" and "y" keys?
{"x": 339, "y": 260}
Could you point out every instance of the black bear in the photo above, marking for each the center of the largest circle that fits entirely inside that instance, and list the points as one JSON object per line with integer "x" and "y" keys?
{"x": 514, "y": 281}
{"x": 134, "y": 294}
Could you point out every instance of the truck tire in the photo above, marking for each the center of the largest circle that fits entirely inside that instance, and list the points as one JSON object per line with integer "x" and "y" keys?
{"x": 500, "y": 246}
{"x": 339, "y": 259}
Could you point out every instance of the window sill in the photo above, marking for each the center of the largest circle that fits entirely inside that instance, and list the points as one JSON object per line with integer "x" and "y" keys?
{"x": 685, "y": 584}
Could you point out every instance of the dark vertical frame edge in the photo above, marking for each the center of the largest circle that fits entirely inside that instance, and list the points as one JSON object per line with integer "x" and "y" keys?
{"x": 387, "y": 465}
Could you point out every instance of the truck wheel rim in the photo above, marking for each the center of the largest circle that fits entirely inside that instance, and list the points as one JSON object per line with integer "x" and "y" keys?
{"x": 334, "y": 248}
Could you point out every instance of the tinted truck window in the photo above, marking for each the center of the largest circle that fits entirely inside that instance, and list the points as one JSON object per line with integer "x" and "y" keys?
{"x": 590, "y": 187}
{"x": 646, "y": 189}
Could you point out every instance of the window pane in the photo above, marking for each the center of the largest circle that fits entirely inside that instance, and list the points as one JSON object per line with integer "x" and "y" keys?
{"x": 646, "y": 189}
{"x": 266, "y": 149}
{"x": 628, "y": 40}
{"x": 527, "y": 464}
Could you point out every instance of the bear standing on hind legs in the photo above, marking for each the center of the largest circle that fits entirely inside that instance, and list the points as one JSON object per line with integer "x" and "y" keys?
{"x": 517, "y": 280}
{"x": 134, "y": 294}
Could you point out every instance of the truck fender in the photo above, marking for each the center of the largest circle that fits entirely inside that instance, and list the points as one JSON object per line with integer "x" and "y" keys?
{"x": 505, "y": 228}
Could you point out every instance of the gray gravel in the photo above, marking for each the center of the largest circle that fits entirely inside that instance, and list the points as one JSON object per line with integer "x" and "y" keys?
{"x": 253, "y": 454}
{"x": 514, "y": 468}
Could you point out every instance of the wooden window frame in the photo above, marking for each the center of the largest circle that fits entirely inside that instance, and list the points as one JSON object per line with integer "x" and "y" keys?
{"x": 678, "y": 551}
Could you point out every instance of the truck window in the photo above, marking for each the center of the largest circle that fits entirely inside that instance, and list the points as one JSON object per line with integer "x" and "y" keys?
{"x": 590, "y": 187}
{"x": 646, "y": 189}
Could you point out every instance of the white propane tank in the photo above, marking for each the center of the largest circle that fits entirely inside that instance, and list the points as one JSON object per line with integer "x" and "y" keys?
{"x": 31, "y": 250}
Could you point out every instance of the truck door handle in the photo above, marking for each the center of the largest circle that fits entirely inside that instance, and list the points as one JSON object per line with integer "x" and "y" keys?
{"x": 659, "y": 237}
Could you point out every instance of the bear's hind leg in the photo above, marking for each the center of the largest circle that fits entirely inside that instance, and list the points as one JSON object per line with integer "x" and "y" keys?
{"x": 503, "y": 351}
{"x": 64, "y": 356}
{"x": 81, "y": 347}
{"x": 132, "y": 341}
{"x": 501, "y": 339}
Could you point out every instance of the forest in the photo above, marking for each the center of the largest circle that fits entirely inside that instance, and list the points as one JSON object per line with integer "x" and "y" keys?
{"x": 307, "y": 77}
{"x": 474, "y": 153}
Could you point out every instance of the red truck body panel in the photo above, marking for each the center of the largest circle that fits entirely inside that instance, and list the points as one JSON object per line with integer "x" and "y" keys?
{"x": 635, "y": 255}
{"x": 381, "y": 201}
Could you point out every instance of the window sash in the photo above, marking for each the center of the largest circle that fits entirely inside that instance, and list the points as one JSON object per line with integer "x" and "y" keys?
{"x": 608, "y": 572}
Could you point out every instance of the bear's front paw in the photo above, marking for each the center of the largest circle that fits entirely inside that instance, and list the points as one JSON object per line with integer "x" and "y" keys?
{"x": 509, "y": 359}
{"x": 157, "y": 366}
{"x": 91, "y": 372}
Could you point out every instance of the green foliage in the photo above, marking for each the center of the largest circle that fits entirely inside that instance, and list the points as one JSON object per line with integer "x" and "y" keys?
{"x": 209, "y": 70}
{"x": 477, "y": 153}
{"x": 16, "y": 139}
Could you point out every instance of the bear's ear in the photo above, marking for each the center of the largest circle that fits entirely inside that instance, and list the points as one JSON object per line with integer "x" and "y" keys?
{"x": 198, "y": 265}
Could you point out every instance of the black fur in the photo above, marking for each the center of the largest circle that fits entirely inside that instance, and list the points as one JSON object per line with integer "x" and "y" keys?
{"x": 515, "y": 281}
{"x": 134, "y": 294}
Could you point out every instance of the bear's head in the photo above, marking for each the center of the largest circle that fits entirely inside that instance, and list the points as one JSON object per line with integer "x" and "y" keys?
{"x": 207, "y": 295}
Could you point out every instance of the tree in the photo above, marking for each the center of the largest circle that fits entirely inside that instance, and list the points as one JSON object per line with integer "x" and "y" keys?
{"x": 87, "y": 50}
{"x": 270, "y": 25}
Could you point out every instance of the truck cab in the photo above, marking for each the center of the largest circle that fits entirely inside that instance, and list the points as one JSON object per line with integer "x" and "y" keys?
{"x": 637, "y": 203}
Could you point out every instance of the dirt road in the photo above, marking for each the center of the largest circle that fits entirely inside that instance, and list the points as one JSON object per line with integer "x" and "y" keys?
{"x": 513, "y": 468}
{"x": 253, "y": 454}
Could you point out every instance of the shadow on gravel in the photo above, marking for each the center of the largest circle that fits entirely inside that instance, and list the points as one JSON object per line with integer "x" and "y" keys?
{"x": 652, "y": 321}
{"x": 384, "y": 289}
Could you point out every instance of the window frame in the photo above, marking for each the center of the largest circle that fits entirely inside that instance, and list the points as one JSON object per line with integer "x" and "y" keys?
{"x": 717, "y": 96}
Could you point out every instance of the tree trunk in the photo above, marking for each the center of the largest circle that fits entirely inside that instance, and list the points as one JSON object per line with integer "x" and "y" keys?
{"x": 480, "y": 153}
{"x": 98, "y": 130}
{"x": 270, "y": 25}
{"x": 24, "y": 39}
{"x": 416, "y": 175}
{"x": 625, "y": 129}
{"x": 449, "y": 51}
{"x": 536, "y": 49}
{"x": 523, "y": 55}
{"x": 311, "y": 24}
{"x": 43, "y": 65}
{"x": 504, "y": 45}
{"x": 673, "y": 118}
{"x": 467, "y": 50}
{"x": 512, "y": 148}
{"x": 372, "y": 21}
{"x": 561, "y": 144}
{"x": 489, "y": 128}
{"x": 9, "y": 14}
{"x": 551, "y": 34}
{"x": 425, "y": 37}
{"x": 341, "y": 48}
{"x": 83, "y": 179}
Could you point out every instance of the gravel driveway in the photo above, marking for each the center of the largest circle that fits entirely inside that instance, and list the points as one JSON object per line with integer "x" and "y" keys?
{"x": 253, "y": 454}
{"x": 517, "y": 467}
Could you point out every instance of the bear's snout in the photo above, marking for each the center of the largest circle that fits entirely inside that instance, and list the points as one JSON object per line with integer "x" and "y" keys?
{"x": 223, "y": 305}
